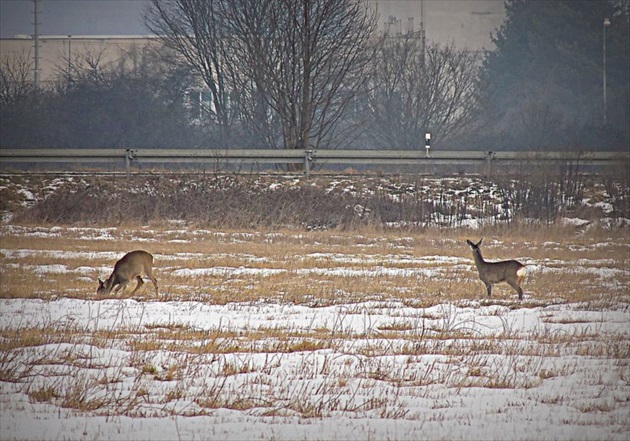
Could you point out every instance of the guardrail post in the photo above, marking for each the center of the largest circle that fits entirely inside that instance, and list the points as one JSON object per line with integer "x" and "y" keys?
{"x": 129, "y": 156}
{"x": 488, "y": 160}
{"x": 308, "y": 158}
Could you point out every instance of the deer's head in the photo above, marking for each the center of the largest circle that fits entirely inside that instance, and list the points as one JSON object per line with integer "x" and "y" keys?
{"x": 474, "y": 246}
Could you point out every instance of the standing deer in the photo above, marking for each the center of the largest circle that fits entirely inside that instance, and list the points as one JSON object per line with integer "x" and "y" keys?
{"x": 510, "y": 271}
{"x": 132, "y": 266}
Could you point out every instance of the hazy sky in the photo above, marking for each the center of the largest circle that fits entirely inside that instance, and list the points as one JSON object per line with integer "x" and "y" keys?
{"x": 466, "y": 22}
{"x": 75, "y": 17}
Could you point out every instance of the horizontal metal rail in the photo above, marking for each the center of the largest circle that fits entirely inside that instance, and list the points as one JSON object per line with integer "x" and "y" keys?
{"x": 306, "y": 157}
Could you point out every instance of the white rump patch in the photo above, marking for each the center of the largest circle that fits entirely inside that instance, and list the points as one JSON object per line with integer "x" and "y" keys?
{"x": 521, "y": 272}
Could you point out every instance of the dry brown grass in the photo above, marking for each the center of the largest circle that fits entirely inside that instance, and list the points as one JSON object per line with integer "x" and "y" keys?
{"x": 348, "y": 203}
{"x": 314, "y": 268}
{"x": 167, "y": 364}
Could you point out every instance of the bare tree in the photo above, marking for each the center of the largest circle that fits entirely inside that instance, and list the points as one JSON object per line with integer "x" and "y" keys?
{"x": 16, "y": 77}
{"x": 86, "y": 67}
{"x": 299, "y": 65}
{"x": 418, "y": 89}
{"x": 194, "y": 30}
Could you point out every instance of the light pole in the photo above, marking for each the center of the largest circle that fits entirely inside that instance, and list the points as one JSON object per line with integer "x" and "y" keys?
{"x": 36, "y": 41}
{"x": 69, "y": 73}
{"x": 606, "y": 24}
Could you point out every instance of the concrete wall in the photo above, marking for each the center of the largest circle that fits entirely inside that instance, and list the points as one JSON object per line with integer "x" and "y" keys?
{"x": 467, "y": 23}
{"x": 55, "y": 52}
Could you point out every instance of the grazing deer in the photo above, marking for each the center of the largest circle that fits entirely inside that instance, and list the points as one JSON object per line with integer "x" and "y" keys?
{"x": 132, "y": 266}
{"x": 510, "y": 271}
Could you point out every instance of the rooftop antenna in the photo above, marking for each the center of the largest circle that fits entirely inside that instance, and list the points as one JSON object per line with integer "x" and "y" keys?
{"x": 36, "y": 41}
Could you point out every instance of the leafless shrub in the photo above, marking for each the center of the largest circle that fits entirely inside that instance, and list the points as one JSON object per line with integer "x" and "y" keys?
{"x": 15, "y": 77}
{"x": 551, "y": 192}
{"x": 618, "y": 192}
{"x": 213, "y": 201}
{"x": 249, "y": 201}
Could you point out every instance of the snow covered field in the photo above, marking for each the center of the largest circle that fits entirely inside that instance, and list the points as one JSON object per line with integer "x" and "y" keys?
{"x": 319, "y": 335}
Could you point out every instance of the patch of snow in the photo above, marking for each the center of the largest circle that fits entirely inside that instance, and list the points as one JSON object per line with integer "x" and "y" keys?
{"x": 574, "y": 222}
{"x": 606, "y": 207}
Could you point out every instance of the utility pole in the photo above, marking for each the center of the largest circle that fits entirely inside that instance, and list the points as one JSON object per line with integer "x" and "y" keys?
{"x": 36, "y": 40}
{"x": 422, "y": 34}
{"x": 606, "y": 24}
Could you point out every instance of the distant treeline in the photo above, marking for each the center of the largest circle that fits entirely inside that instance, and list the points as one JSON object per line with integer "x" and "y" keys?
{"x": 331, "y": 84}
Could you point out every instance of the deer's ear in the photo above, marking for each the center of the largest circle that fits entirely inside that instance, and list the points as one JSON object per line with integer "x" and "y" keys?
{"x": 480, "y": 240}
{"x": 100, "y": 282}
{"x": 470, "y": 243}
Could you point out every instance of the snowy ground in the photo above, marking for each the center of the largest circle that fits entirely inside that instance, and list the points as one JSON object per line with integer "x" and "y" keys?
{"x": 410, "y": 361}
{"x": 499, "y": 378}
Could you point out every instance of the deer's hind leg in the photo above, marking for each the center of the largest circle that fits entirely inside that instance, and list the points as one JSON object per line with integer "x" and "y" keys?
{"x": 139, "y": 285}
{"x": 516, "y": 284}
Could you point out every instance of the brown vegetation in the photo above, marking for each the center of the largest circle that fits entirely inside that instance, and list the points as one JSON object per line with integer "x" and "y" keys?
{"x": 276, "y": 202}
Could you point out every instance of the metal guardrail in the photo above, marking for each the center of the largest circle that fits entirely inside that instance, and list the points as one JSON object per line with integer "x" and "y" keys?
{"x": 306, "y": 157}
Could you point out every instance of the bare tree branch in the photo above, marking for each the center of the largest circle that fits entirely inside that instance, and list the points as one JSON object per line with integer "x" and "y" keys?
{"x": 302, "y": 60}
{"x": 417, "y": 90}
{"x": 16, "y": 77}
{"x": 194, "y": 30}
